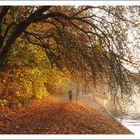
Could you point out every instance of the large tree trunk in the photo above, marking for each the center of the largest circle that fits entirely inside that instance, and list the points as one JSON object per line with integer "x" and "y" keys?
{"x": 6, "y": 48}
{"x": 2, "y": 60}
{"x": 18, "y": 30}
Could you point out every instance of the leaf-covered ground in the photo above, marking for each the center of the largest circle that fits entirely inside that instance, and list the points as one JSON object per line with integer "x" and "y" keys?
{"x": 52, "y": 116}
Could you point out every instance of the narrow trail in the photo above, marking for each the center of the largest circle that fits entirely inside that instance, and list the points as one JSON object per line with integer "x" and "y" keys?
{"x": 86, "y": 99}
{"x": 54, "y": 116}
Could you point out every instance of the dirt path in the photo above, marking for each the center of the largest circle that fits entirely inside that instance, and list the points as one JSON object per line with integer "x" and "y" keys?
{"x": 54, "y": 116}
{"x": 87, "y": 99}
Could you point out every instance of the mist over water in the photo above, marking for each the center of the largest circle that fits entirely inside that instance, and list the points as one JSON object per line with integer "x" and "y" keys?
{"x": 132, "y": 119}
{"x": 132, "y": 125}
{"x": 135, "y": 108}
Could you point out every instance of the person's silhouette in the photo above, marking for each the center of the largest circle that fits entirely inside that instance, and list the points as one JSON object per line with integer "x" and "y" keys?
{"x": 70, "y": 95}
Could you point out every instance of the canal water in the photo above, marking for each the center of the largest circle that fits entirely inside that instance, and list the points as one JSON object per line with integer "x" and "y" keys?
{"x": 132, "y": 125}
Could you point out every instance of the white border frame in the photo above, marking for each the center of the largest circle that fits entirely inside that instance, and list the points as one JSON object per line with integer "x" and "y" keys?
{"x": 66, "y": 3}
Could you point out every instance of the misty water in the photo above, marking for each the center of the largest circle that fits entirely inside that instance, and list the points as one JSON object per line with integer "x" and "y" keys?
{"x": 131, "y": 124}
{"x": 132, "y": 120}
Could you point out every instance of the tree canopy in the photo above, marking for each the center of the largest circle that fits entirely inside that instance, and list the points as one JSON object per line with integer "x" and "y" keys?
{"x": 84, "y": 40}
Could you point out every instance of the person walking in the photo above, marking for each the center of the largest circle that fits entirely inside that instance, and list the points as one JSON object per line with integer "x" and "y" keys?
{"x": 70, "y": 95}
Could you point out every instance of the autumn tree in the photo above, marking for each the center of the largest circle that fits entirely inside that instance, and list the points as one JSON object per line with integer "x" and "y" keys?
{"x": 91, "y": 39}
